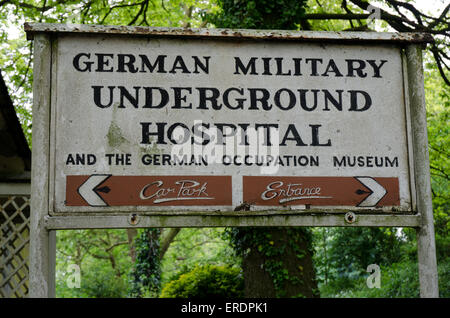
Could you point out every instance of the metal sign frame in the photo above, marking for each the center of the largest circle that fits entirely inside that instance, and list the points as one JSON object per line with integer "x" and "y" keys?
{"x": 44, "y": 225}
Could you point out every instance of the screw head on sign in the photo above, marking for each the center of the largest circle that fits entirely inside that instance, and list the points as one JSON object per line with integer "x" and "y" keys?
{"x": 350, "y": 217}
{"x": 133, "y": 219}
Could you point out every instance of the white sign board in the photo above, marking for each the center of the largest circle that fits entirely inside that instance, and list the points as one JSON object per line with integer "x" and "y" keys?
{"x": 173, "y": 124}
{"x": 218, "y": 127}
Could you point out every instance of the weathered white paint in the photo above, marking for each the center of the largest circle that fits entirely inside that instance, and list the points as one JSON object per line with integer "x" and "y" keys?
{"x": 46, "y": 171}
{"x": 81, "y": 127}
{"x": 42, "y": 243}
{"x": 327, "y": 36}
{"x": 428, "y": 274}
{"x": 122, "y": 221}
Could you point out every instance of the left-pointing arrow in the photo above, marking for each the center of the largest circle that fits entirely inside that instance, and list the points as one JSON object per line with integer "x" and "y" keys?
{"x": 90, "y": 188}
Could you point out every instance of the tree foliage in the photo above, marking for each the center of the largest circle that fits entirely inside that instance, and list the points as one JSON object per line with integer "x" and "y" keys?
{"x": 102, "y": 257}
{"x": 146, "y": 274}
{"x": 438, "y": 118}
{"x": 196, "y": 247}
{"x": 276, "y": 261}
{"x": 208, "y": 281}
{"x": 400, "y": 16}
{"x": 258, "y": 14}
{"x": 16, "y": 52}
{"x": 341, "y": 254}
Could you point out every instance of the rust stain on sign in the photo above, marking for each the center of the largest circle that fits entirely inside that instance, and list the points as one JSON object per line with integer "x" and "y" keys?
{"x": 325, "y": 36}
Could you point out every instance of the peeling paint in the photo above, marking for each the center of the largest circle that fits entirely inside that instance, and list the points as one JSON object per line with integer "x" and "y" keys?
{"x": 114, "y": 136}
{"x": 406, "y": 37}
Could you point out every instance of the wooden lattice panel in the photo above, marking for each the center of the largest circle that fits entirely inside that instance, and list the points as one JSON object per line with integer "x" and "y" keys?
{"x": 14, "y": 245}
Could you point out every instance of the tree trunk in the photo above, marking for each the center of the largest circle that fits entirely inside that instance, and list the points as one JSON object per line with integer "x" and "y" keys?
{"x": 146, "y": 275}
{"x": 276, "y": 261}
{"x": 167, "y": 240}
{"x": 131, "y": 234}
{"x": 279, "y": 263}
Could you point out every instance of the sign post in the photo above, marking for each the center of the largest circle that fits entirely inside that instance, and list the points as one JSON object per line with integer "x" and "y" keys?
{"x": 154, "y": 127}
{"x": 425, "y": 232}
{"x": 42, "y": 240}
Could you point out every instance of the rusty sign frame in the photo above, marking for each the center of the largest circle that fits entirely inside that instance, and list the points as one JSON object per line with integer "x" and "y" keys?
{"x": 44, "y": 225}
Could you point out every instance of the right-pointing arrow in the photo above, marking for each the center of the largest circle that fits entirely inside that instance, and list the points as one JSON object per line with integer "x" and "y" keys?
{"x": 89, "y": 189}
{"x": 377, "y": 192}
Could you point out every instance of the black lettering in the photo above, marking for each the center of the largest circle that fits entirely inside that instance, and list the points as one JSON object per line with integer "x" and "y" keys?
{"x": 198, "y": 64}
{"x": 376, "y": 68}
{"x": 277, "y": 99}
{"x": 119, "y": 159}
{"x": 267, "y": 141}
{"x": 226, "y": 160}
{"x": 98, "y": 98}
{"x": 101, "y": 62}
{"x": 87, "y": 64}
{"x": 170, "y": 133}
{"x": 159, "y": 62}
{"x": 315, "y": 137}
{"x": 379, "y": 161}
{"x": 127, "y": 60}
{"x": 222, "y": 134}
{"x": 179, "y": 98}
{"x": 314, "y": 62}
{"x": 332, "y": 67}
{"x": 149, "y": 97}
{"x": 354, "y": 101}
{"x": 328, "y": 97}
{"x": 266, "y": 65}
{"x": 81, "y": 159}
{"x": 179, "y": 64}
{"x": 291, "y": 130}
{"x": 361, "y": 162}
{"x": 338, "y": 163}
{"x": 240, "y": 101}
{"x": 391, "y": 163}
{"x": 70, "y": 160}
{"x": 124, "y": 93}
{"x": 203, "y": 99}
{"x": 244, "y": 139}
{"x": 297, "y": 66}
{"x": 244, "y": 69}
{"x": 352, "y": 68}
{"x": 200, "y": 134}
{"x": 166, "y": 160}
{"x": 280, "y": 66}
{"x": 303, "y": 102}
{"x": 314, "y": 161}
{"x": 254, "y": 99}
{"x": 146, "y": 159}
{"x": 369, "y": 162}
{"x": 146, "y": 133}
{"x": 350, "y": 162}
